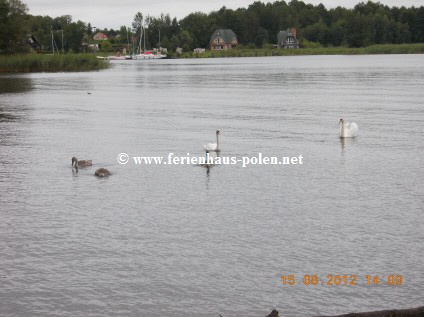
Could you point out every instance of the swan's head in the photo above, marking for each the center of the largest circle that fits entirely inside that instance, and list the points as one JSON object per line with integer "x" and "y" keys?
{"x": 74, "y": 161}
{"x": 218, "y": 132}
{"x": 341, "y": 120}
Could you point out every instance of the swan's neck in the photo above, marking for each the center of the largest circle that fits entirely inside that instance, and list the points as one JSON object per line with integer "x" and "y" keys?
{"x": 217, "y": 140}
{"x": 342, "y": 132}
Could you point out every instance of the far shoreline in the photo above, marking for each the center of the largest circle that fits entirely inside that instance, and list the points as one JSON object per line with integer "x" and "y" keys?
{"x": 34, "y": 63}
{"x": 259, "y": 52}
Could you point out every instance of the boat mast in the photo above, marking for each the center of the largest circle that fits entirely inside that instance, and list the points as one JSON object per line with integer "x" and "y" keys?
{"x": 52, "y": 40}
{"x": 128, "y": 41}
{"x": 139, "y": 42}
{"x": 144, "y": 38}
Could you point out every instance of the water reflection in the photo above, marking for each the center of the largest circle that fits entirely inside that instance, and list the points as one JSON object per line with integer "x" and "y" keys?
{"x": 9, "y": 84}
{"x": 208, "y": 170}
{"x": 344, "y": 142}
{"x": 209, "y": 163}
{"x": 12, "y": 128}
{"x": 4, "y": 116}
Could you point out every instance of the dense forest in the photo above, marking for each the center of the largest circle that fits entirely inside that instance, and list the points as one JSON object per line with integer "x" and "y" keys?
{"x": 256, "y": 26}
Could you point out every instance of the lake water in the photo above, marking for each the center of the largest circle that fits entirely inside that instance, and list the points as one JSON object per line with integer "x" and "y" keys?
{"x": 185, "y": 240}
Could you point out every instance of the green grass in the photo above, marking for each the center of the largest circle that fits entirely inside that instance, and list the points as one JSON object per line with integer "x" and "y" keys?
{"x": 374, "y": 49}
{"x": 23, "y": 63}
{"x": 395, "y": 49}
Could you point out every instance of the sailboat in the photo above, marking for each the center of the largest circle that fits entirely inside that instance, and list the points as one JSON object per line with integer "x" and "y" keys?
{"x": 147, "y": 54}
{"x": 128, "y": 56}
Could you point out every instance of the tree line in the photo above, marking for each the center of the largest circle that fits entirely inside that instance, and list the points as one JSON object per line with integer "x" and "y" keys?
{"x": 255, "y": 26}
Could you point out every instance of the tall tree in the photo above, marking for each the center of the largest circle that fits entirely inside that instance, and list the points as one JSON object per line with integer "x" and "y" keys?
{"x": 74, "y": 33}
{"x": 137, "y": 22}
{"x": 14, "y": 25}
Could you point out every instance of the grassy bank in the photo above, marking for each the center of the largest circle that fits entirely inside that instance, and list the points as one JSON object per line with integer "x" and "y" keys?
{"x": 374, "y": 49}
{"x": 50, "y": 63}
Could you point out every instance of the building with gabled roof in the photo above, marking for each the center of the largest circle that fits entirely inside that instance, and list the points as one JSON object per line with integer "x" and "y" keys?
{"x": 287, "y": 39}
{"x": 223, "y": 39}
{"x": 99, "y": 36}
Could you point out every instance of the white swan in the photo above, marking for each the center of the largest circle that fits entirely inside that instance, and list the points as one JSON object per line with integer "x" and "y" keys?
{"x": 348, "y": 130}
{"x": 213, "y": 147}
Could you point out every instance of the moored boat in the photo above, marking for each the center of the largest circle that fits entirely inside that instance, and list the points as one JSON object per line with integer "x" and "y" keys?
{"x": 116, "y": 57}
{"x": 149, "y": 55}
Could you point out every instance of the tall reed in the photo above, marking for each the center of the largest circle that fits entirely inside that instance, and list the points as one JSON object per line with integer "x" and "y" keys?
{"x": 50, "y": 63}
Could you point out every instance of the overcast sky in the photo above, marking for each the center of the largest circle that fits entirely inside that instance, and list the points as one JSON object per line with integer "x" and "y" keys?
{"x": 114, "y": 13}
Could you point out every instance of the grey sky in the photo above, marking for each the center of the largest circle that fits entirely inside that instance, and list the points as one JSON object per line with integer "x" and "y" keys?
{"x": 114, "y": 13}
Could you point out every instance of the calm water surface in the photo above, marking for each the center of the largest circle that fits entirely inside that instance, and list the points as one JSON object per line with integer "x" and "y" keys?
{"x": 179, "y": 240}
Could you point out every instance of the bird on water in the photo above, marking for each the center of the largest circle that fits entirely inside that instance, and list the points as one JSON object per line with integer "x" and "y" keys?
{"x": 348, "y": 129}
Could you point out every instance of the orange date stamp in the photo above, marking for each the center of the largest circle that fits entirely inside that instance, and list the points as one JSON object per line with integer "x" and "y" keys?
{"x": 341, "y": 279}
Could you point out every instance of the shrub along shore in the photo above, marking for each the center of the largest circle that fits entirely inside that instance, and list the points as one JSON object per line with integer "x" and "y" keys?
{"x": 24, "y": 63}
{"x": 373, "y": 49}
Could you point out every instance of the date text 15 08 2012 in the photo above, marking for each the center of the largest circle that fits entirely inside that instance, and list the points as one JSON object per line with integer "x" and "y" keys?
{"x": 339, "y": 279}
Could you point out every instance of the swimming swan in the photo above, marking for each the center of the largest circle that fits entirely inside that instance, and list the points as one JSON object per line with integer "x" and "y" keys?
{"x": 102, "y": 172}
{"x": 82, "y": 163}
{"x": 213, "y": 147}
{"x": 348, "y": 130}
